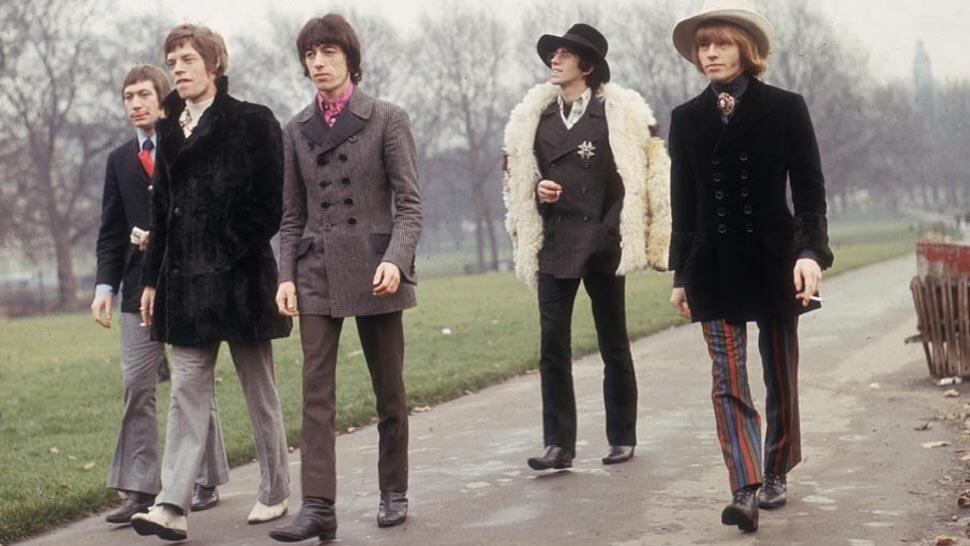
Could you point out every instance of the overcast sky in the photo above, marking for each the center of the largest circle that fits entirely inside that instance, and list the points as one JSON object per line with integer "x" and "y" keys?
{"x": 886, "y": 29}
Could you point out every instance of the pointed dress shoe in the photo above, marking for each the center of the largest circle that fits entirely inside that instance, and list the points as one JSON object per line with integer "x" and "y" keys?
{"x": 316, "y": 519}
{"x": 162, "y": 520}
{"x": 774, "y": 492}
{"x": 393, "y": 509}
{"x": 555, "y": 457}
{"x": 262, "y": 513}
{"x": 743, "y": 510}
{"x": 618, "y": 454}
{"x": 135, "y": 503}
{"x": 204, "y": 498}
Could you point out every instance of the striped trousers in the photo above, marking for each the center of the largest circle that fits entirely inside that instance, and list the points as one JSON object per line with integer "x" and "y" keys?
{"x": 738, "y": 422}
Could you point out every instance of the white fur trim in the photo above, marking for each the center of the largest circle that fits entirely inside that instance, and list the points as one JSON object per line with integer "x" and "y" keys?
{"x": 641, "y": 161}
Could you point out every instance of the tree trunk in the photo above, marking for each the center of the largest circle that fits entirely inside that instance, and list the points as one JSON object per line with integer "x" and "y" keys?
{"x": 66, "y": 281}
{"x": 492, "y": 243}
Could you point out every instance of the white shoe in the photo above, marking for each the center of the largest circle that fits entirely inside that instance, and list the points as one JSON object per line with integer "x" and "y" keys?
{"x": 262, "y": 513}
{"x": 161, "y": 520}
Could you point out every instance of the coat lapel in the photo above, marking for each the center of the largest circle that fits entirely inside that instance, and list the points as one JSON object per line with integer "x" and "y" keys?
{"x": 552, "y": 130}
{"x": 351, "y": 121}
{"x": 750, "y": 110}
{"x": 312, "y": 125}
{"x": 588, "y": 128}
{"x": 134, "y": 163}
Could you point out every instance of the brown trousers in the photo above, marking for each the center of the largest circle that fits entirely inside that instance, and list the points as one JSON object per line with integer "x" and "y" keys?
{"x": 382, "y": 339}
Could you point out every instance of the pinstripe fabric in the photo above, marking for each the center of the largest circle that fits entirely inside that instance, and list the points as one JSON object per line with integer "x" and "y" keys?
{"x": 738, "y": 421}
{"x": 350, "y": 201}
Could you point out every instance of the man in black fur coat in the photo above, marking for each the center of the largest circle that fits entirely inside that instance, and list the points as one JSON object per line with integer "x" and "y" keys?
{"x": 209, "y": 272}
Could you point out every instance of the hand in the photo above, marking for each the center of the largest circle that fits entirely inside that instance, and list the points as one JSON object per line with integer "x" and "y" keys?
{"x": 386, "y": 279}
{"x": 678, "y": 298}
{"x": 101, "y": 310}
{"x": 808, "y": 279}
{"x": 147, "y": 305}
{"x": 143, "y": 243}
{"x": 549, "y": 191}
{"x": 286, "y": 299}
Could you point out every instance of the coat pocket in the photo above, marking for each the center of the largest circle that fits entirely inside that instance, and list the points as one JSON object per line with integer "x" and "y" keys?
{"x": 379, "y": 242}
{"x": 303, "y": 247}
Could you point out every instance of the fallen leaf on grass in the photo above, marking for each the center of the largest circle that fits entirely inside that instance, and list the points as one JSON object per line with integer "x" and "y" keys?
{"x": 88, "y": 466}
{"x": 352, "y": 354}
{"x": 422, "y": 409}
{"x": 944, "y": 540}
{"x": 952, "y": 393}
{"x": 72, "y": 457}
{"x": 218, "y": 381}
{"x": 55, "y": 451}
{"x": 351, "y": 429}
{"x": 924, "y": 426}
{"x": 938, "y": 443}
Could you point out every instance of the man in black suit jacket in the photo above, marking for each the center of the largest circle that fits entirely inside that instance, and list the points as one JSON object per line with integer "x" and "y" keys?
{"x": 121, "y": 242}
{"x": 740, "y": 255}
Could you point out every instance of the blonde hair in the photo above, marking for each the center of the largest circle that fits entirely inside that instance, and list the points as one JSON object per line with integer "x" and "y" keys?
{"x": 753, "y": 61}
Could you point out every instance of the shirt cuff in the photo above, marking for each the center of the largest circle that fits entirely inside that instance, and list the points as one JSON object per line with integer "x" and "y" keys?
{"x": 679, "y": 280}
{"x": 104, "y": 290}
{"x": 811, "y": 255}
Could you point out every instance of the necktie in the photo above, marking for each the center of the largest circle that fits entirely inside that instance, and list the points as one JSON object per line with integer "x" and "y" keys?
{"x": 145, "y": 157}
{"x": 726, "y": 104}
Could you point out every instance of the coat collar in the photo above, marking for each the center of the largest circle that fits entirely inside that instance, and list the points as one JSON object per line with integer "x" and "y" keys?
{"x": 350, "y": 122}
{"x": 170, "y": 132}
{"x": 751, "y": 108}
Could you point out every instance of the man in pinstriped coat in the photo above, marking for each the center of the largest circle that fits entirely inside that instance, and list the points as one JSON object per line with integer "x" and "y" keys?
{"x": 351, "y": 221}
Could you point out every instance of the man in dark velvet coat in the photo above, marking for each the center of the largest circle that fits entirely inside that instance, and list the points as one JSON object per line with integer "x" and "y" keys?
{"x": 739, "y": 253}
{"x": 209, "y": 271}
{"x": 124, "y": 214}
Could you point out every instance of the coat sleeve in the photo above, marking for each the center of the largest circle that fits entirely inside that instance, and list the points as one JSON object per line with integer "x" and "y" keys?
{"x": 658, "y": 204}
{"x": 257, "y": 217}
{"x": 807, "y": 186}
{"x": 400, "y": 164}
{"x": 157, "y": 221}
{"x": 683, "y": 198}
{"x": 294, "y": 210}
{"x": 113, "y": 234}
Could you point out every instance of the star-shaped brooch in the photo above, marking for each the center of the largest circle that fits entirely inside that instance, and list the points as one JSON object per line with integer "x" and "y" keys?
{"x": 586, "y": 150}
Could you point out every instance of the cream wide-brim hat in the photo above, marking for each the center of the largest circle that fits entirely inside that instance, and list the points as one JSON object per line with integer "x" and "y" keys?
{"x": 739, "y": 12}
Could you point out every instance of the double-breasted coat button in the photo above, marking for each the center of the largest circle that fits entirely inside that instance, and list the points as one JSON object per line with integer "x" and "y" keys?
{"x": 747, "y": 209}
{"x": 749, "y": 228}
{"x": 349, "y": 202}
{"x": 744, "y": 175}
{"x": 175, "y": 271}
{"x": 722, "y": 212}
{"x": 718, "y": 177}
{"x": 346, "y": 181}
{"x": 586, "y": 218}
{"x": 743, "y": 156}
{"x": 324, "y": 183}
{"x": 722, "y": 229}
{"x": 151, "y": 187}
{"x": 745, "y": 191}
{"x": 177, "y": 211}
{"x": 719, "y": 195}
{"x": 352, "y": 138}
{"x": 322, "y": 160}
{"x": 327, "y": 226}
{"x": 325, "y": 205}
{"x": 716, "y": 161}
{"x": 585, "y": 190}
{"x": 352, "y": 221}
{"x": 342, "y": 157}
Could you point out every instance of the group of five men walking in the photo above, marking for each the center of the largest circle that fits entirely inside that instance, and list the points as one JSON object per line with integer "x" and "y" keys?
{"x": 591, "y": 196}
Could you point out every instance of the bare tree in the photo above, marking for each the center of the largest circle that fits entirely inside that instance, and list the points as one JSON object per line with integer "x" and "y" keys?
{"x": 54, "y": 109}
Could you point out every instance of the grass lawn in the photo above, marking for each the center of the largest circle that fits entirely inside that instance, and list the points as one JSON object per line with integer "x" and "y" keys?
{"x": 60, "y": 392}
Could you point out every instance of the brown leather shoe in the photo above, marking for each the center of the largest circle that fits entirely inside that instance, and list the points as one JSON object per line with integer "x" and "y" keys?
{"x": 555, "y": 457}
{"x": 315, "y": 519}
{"x": 135, "y": 503}
{"x": 204, "y": 498}
{"x": 618, "y": 454}
{"x": 743, "y": 510}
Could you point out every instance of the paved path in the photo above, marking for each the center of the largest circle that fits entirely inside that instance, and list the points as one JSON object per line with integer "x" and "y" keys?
{"x": 864, "y": 479}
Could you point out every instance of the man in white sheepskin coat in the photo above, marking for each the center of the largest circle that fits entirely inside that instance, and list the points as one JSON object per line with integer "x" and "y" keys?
{"x": 587, "y": 191}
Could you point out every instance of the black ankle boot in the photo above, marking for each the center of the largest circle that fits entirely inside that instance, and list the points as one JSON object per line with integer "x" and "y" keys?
{"x": 774, "y": 492}
{"x": 743, "y": 510}
{"x": 316, "y": 519}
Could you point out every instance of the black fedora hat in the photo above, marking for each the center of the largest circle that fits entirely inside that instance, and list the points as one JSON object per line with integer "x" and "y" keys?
{"x": 580, "y": 36}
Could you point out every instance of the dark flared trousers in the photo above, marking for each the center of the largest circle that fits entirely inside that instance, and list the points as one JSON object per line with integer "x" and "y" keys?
{"x": 556, "y": 299}
{"x": 382, "y": 339}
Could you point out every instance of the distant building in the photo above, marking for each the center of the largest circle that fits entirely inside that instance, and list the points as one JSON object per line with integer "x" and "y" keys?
{"x": 923, "y": 81}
